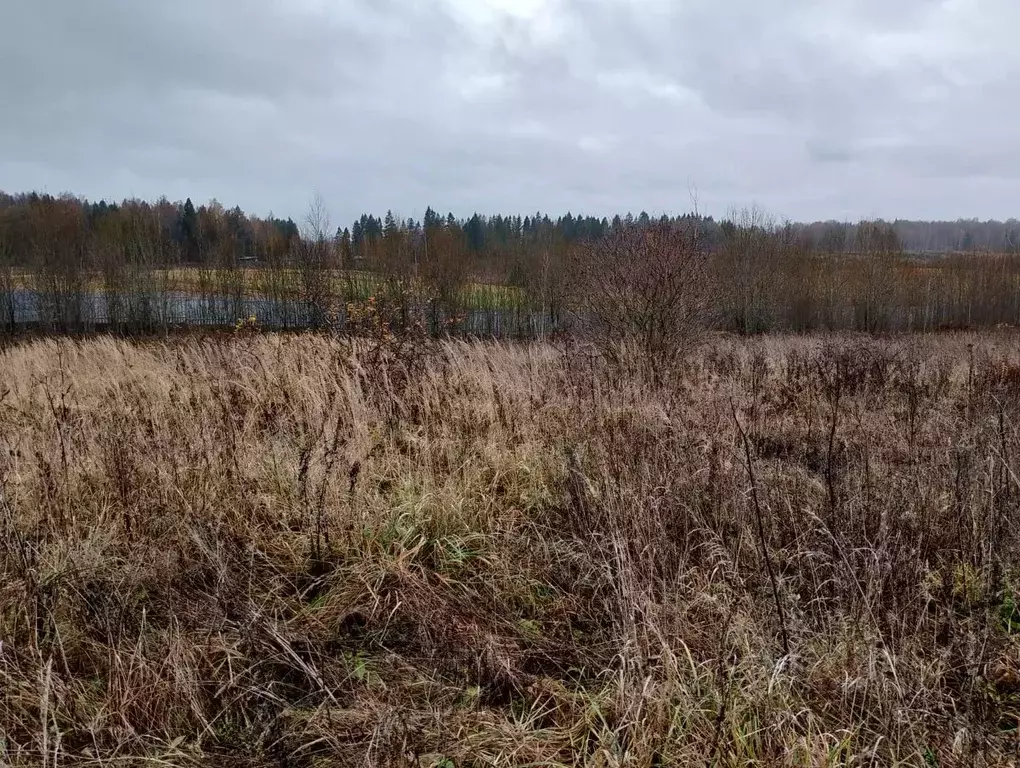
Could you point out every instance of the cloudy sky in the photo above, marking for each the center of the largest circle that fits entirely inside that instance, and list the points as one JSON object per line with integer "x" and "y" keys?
{"x": 838, "y": 109}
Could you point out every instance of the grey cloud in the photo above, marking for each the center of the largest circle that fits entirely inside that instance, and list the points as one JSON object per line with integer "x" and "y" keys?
{"x": 812, "y": 110}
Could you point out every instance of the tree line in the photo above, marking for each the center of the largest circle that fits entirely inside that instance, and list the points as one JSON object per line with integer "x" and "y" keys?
{"x": 82, "y": 264}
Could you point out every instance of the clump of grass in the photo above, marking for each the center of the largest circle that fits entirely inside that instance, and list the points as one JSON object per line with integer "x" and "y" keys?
{"x": 307, "y": 550}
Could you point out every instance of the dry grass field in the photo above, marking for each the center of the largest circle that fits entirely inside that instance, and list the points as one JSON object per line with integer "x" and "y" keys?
{"x": 302, "y": 551}
{"x": 275, "y": 282}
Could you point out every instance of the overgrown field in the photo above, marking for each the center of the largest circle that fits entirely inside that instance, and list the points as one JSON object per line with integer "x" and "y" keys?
{"x": 300, "y": 551}
{"x": 270, "y": 282}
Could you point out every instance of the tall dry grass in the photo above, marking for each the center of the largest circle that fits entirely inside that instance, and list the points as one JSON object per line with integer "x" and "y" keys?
{"x": 269, "y": 550}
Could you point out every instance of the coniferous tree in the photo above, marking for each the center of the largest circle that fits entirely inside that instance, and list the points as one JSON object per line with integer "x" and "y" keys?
{"x": 189, "y": 231}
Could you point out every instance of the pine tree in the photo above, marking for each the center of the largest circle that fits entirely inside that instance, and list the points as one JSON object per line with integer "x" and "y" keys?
{"x": 188, "y": 233}
{"x": 346, "y": 246}
{"x": 475, "y": 231}
{"x": 357, "y": 239}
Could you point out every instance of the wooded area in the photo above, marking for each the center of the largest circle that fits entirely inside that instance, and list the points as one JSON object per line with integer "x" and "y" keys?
{"x": 68, "y": 264}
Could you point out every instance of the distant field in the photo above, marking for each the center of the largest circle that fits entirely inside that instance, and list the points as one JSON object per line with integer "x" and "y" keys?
{"x": 348, "y": 285}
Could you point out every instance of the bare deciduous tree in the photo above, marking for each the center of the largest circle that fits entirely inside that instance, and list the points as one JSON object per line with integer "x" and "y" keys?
{"x": 316, "y": 260}
{"x": 317, "y": 219}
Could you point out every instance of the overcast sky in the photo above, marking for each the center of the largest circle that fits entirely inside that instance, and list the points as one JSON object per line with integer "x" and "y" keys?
{"x": 837, "y": 109}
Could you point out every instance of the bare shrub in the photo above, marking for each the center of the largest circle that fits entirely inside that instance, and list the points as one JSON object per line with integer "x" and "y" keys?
{"x": 7, "y": 286}
{"x": 875, "y": 302}
{"x": 647, "y": 286}
{"x": 444, "y": 272}
{"x": 749, "y": 268}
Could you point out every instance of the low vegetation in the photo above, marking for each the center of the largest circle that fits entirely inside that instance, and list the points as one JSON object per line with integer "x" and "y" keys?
{"x": 300, "y": 550}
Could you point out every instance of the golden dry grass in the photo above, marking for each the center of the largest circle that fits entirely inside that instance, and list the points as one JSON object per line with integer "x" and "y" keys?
{"x": 288, "y": 550}
{"x": 275, "y": 282}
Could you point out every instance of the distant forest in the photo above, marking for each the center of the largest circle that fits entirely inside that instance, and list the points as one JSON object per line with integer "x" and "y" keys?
{"x": 70, "y": 263}
{"x": 212, "y": 233}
